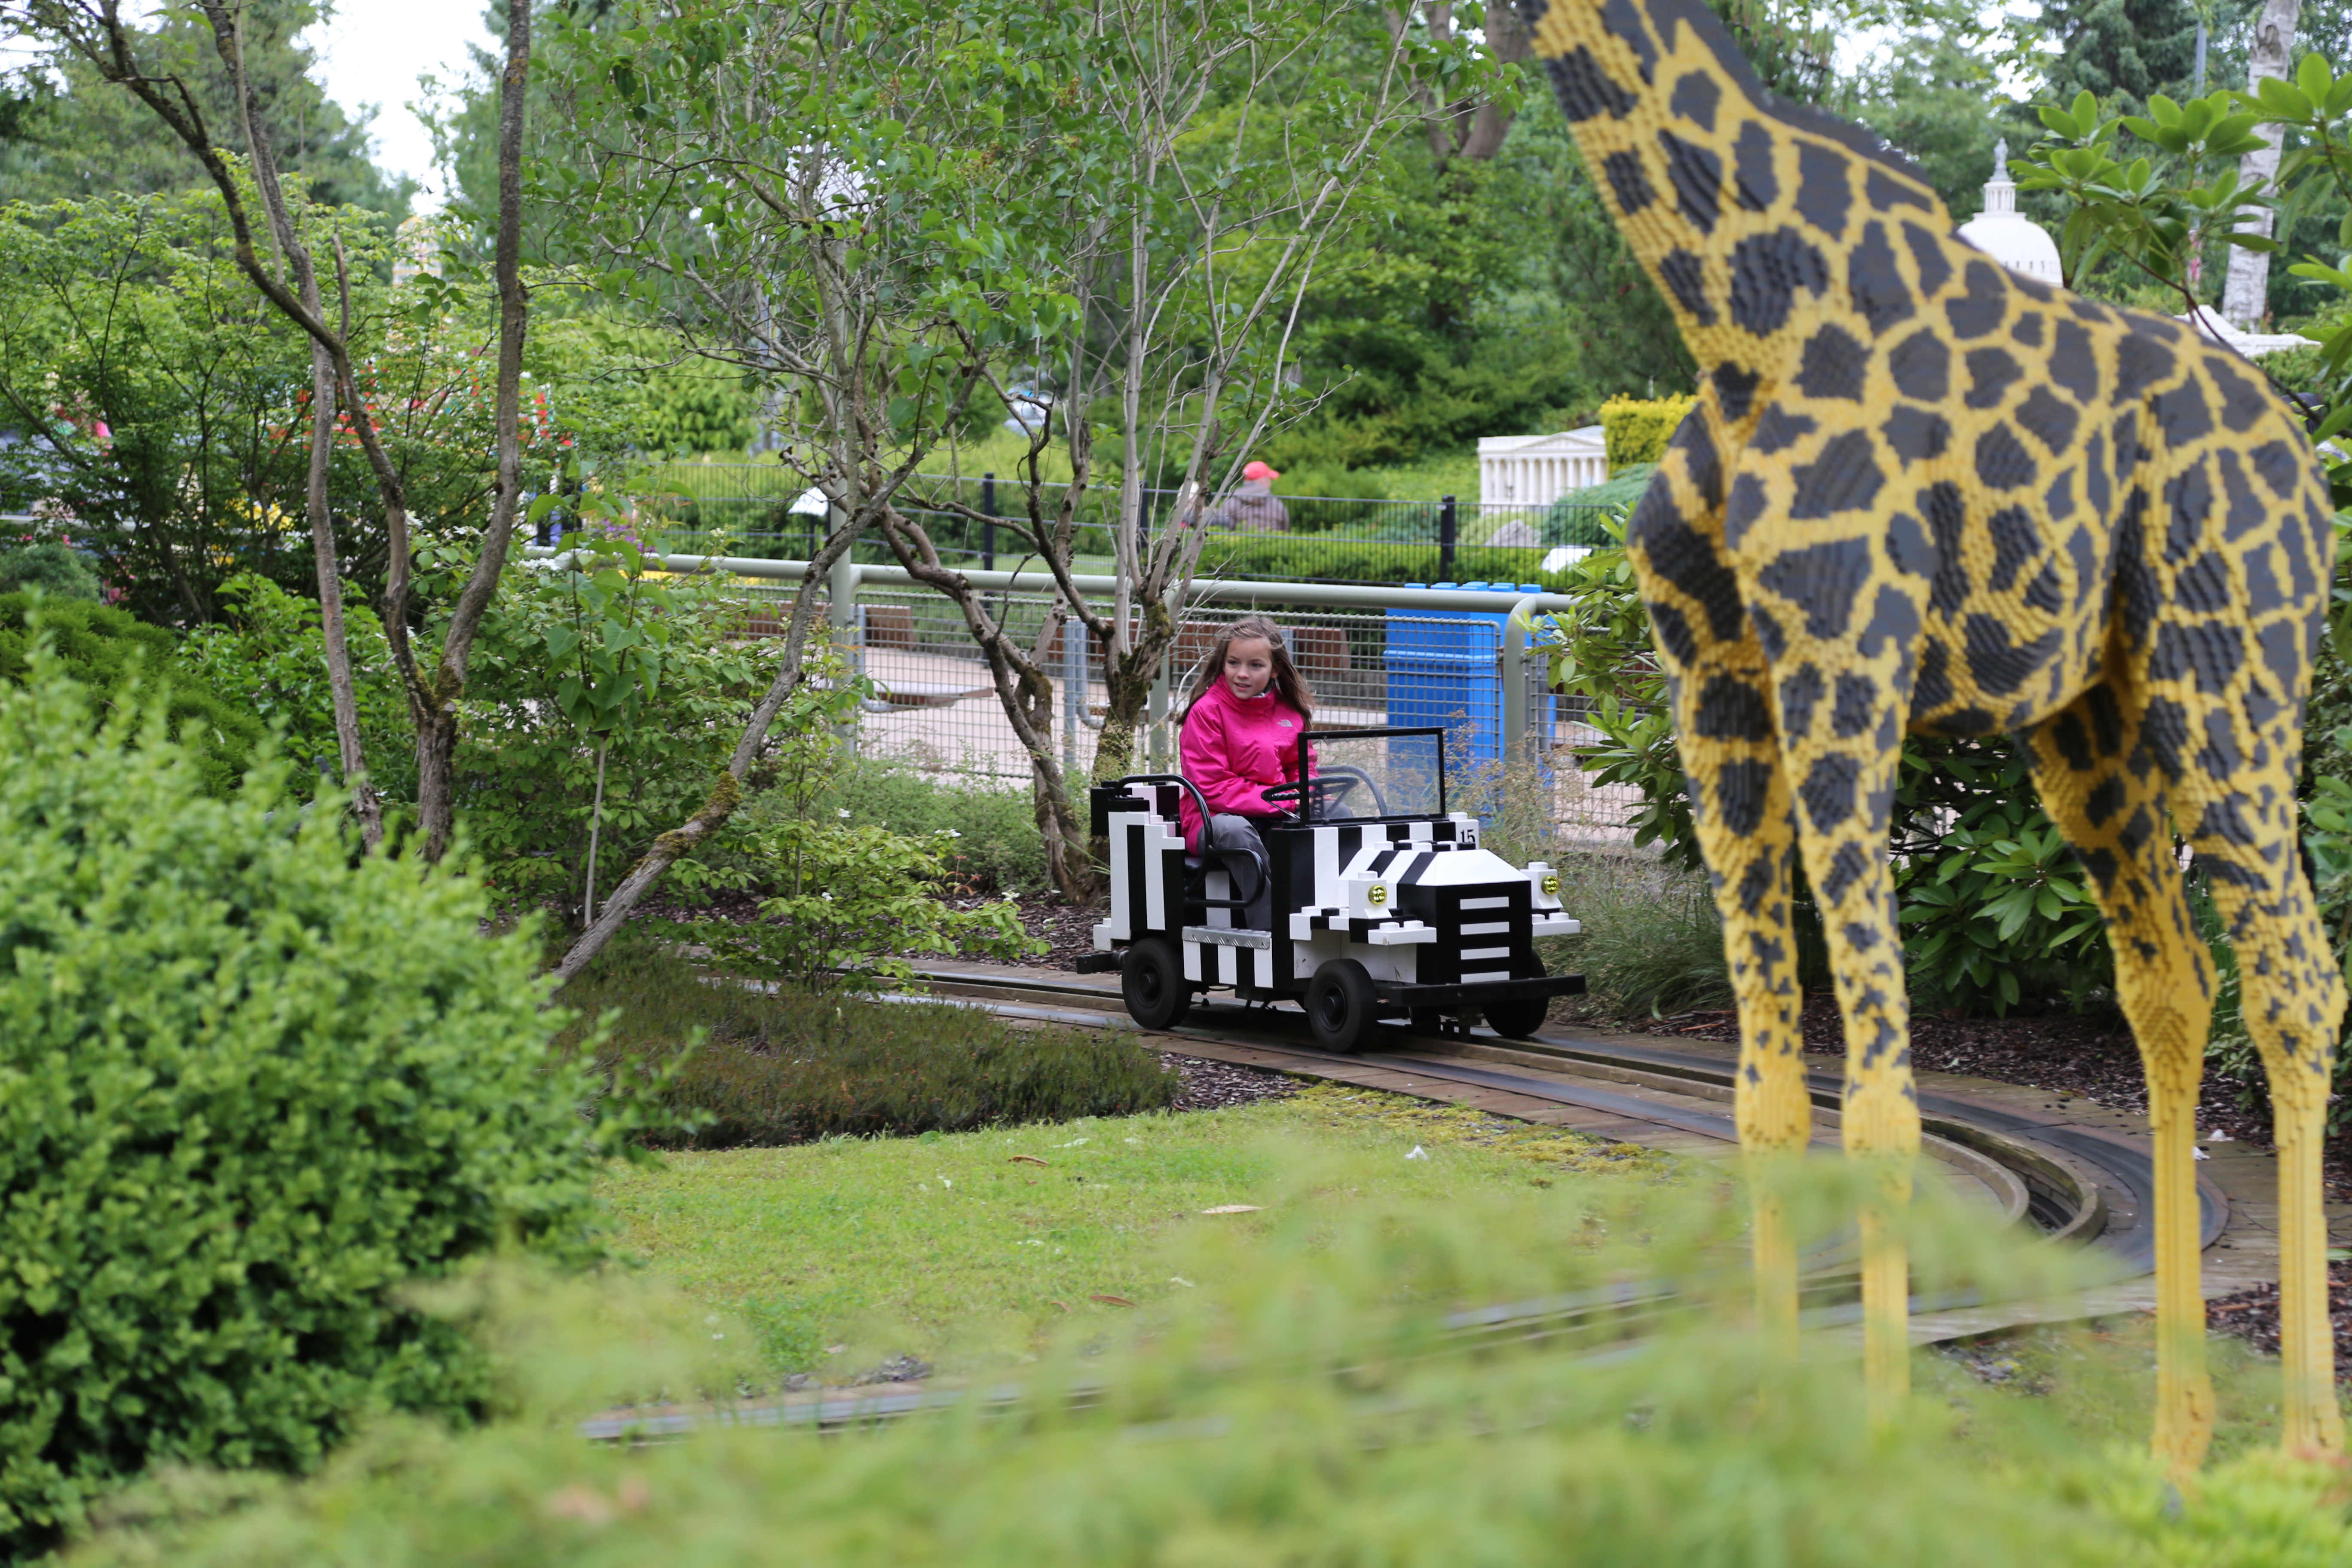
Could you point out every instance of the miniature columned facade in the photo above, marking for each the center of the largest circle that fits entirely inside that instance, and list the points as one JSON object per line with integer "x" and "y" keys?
{"x": 1535, "y": 470}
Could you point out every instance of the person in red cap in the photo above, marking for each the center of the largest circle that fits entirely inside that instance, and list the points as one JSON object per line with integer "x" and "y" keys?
{"x": 1254, "y": 508}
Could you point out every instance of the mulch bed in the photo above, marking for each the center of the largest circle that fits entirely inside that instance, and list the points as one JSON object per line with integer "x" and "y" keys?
{"x": 2253, "y": 1316}
{"x": 1068, "y": 930}
{"x": 1218, "y": 1086}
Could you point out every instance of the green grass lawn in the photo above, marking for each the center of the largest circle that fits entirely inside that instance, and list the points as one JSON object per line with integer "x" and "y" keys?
{"x": 977, "y": 1249}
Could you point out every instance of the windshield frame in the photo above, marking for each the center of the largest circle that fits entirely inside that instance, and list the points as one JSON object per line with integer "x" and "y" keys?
{"x": 1373, "y": 733}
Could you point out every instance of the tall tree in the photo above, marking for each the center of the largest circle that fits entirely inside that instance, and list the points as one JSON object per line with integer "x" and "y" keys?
{"x": 2121, "y": 52}
{"x": 97, "y": 32}
{"x": 2245, "y": 295}
{"x": 66, "y": 134}
{"x": 1466, "y": 119}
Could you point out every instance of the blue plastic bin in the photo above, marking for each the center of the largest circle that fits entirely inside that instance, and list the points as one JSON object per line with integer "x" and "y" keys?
{"x": 1445, "y": 667}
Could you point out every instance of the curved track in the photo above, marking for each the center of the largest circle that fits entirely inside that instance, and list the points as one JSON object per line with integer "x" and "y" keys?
{"x": 2075, "y": 1171}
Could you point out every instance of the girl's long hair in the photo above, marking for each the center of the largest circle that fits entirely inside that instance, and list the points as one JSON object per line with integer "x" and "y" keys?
{"x": 1288, "y": 684}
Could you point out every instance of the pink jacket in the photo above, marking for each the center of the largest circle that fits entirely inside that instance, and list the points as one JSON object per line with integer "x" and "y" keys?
{"x": 1234, "y": 751}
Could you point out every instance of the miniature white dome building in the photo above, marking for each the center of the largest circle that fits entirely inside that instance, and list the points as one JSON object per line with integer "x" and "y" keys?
{"x": 2001, "y": 232}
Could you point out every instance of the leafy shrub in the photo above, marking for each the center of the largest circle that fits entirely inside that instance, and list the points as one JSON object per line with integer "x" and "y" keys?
{"x": 1322, "y": 558}
{"x": 251, "y": 1087}
{"x": 1652, "y": 944}
{"x": 853, "y": 902}
{"x": 613, "y": 666}
{"x": 788, "y": 1067}
{"x": 55, "y": 569}
{"x": 1635, "y": 429}
{"x": 103, "y": 649}
{"x": 268, "y": 659}
{"x": 998, "y": 848}
{"x": 1995, "y": 910}
{"x": 1577, "y": 518}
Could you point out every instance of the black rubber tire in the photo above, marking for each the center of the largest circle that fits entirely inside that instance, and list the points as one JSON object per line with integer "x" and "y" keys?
{"x": 1341, "y": 1006}
{"x": 1153, "y": 981}
{"x": 1518, "y": 1019}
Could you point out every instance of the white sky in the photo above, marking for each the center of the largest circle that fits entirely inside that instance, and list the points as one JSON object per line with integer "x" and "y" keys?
{"x": 370, "y": 52}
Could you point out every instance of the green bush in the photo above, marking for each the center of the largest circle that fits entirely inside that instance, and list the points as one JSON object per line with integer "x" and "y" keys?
{"x": 1577, "y": 517}
{"x": 103, "y": 647}
{"x": 55, "y": 569}
{"x": 1318, "y": 558}
{"x": 999, "y": 850}
{"x": 248, "y": 1087}
{"x": 268, "y": 659}
{"x": 613, "y": 660}
{"x": 789, "y": 1066}
{"x": 1635, "y": 429}
{"x": 851, "y": 901}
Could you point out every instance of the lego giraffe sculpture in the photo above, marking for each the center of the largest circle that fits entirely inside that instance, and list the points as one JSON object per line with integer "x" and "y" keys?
{"x": 1919, "y": 491}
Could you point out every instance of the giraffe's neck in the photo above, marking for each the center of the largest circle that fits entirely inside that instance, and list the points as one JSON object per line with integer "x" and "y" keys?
{"x": 1742, "y": 208}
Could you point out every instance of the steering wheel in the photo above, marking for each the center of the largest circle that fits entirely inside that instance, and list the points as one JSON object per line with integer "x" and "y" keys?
{"x": 1333, "y": 785}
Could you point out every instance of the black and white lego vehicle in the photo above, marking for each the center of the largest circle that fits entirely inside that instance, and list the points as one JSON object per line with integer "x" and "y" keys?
{"x": 1384, "y": 905}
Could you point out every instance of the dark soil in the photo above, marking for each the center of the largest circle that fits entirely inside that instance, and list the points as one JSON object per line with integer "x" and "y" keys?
{"x": 1215, "y": 1086}
{"x": 2253, "y": 1316}
{"x": 2092, "y": 1057}
{"x": 1068, "y": 930}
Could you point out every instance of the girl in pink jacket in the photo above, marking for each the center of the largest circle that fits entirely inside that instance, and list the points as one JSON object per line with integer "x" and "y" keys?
{"x": 1240, "y": 738}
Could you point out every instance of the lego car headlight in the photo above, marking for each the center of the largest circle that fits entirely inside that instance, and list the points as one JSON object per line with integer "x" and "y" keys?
{"x": 1549, "y": 884}
{"x": 1377, "y": 894}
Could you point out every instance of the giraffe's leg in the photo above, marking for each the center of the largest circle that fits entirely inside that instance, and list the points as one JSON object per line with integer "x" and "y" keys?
{"x": 1749, "y": 839}
{"x": 1842, "y": 670}
{"x": 2292, "y": 998}
{"x": 2098, "y": 785}
{"x": 1740, "y": 800}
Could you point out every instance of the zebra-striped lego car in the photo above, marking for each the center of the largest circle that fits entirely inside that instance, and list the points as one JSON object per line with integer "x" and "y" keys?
{"x": 1384, "y": 904}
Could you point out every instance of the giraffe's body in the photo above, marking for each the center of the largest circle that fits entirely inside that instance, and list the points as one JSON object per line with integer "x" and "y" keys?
{"x": 1918, "y": 491}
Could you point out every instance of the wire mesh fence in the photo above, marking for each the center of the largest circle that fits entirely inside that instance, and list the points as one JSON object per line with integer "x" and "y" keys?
{"x": 937, "y": 708}
{"x": 760, "y": 511}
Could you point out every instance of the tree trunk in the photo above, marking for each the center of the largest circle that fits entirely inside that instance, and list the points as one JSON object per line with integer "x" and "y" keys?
{"x": 351, "y": 755}
{"x": 1129, "y": 681}
{"x": 1027, "y": 697}
{"x": 2245, "y": 294}
{"x": 365, "y": 805}
{"x": 436, "y": 819}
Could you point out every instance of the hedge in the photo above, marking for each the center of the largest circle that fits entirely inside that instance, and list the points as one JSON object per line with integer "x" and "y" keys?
{"x": 250, "y": 1085}
{"x": 1636, "y": 429}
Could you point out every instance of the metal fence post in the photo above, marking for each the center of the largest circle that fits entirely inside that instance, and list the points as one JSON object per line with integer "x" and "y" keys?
{"x": 841, "y": 609}
{"x": 1446, "y": 525}
{"x": 988, "y": 529}
{"x": 1516, "y": 718}
{"x": 1074, "y": 691}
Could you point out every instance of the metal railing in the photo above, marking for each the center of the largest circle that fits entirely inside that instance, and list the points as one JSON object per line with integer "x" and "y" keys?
{"x": 746, "y": 510}
{"x": 1372, "y": 655}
